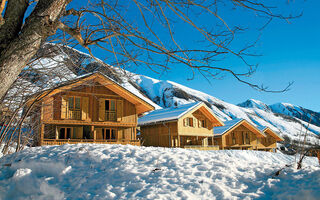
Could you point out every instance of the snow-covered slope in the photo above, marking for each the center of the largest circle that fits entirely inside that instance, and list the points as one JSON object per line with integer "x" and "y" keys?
{"x": 297, "y": 111}
{"x": 168, "y": 93}
{"x": 88, "y": 171}
{"x": 282, "y": 118}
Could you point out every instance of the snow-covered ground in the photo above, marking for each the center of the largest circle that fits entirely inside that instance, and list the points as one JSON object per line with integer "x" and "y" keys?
{"x": 88, "y": 171}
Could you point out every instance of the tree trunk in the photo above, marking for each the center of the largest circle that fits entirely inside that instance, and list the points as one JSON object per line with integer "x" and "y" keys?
{"x": 19, "y": 51}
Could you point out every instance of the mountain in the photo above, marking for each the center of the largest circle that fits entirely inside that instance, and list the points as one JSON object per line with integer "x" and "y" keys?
{"x": 64, "y": 63}
{"x": 297, "y": 111}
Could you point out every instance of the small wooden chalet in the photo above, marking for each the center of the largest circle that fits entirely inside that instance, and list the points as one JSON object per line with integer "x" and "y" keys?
{"x": 186, "y": 126}
{"x": 269, "y": 142}
{"x": 237, "y": 134}
{"x": 89, "y": 109}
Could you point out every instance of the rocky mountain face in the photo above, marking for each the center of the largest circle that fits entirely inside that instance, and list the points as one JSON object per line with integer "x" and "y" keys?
{"x": 63, "y": 63}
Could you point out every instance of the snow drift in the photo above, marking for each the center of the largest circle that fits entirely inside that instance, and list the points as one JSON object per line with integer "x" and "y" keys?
{"x": 93, "y": 171}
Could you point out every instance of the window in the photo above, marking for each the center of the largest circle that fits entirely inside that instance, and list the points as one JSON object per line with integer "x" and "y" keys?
{"x": 110, "y": 109}
{"x": 233, "y": 136}
{"x": 247, "y": 138}
{"x": 65, "y": 133}
{"x": 188, "y": 122}
{"x": 243, "y": 138}
{"x": 108, "y": 134}
{"x": 202, "y": 123}
{"x": 74, "y": 106}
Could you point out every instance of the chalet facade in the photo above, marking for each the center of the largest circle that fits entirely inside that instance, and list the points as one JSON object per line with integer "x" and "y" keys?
{"x": 93, "y": 109}
{"x": 269, "y": 142}
{"x": 238, "y": 134}
{"x": 186, "y": 126}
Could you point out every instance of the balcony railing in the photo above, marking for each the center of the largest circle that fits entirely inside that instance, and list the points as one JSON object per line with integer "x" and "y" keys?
{"x": 74, "y": 114}
{"x": 202, "y": 147}
{"x": 76, "y": 141}
{"x": 111, "y": 115}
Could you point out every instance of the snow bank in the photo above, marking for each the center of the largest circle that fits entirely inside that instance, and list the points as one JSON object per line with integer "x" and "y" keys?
{"x": 87, "y": 171}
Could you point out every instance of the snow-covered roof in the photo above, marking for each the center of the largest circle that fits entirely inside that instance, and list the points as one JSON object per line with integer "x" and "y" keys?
{"x": 228, "y": 125}
{"x": 220, "y": 130}
{"x": 264, "y": 128}
{"x": 167, "y": 114}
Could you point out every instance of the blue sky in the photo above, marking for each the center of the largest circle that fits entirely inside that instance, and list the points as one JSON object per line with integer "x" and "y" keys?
{"x": 291, "y": 52}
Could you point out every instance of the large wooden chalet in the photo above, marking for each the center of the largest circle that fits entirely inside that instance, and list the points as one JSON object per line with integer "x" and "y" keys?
{"x": 186, "y": 126}
{"x": 90, "y": 109}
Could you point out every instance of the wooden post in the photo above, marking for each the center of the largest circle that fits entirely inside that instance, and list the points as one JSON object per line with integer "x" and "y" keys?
{"x": 94, "y": 133}
{"x": 41, "y": 134}
{"x": 223, "y": 141}
{"x": 57, "y": 133}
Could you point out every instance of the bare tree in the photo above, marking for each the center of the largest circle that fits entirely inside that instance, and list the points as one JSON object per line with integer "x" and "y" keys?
{"x": 34, "y": 34}
{"x": 129, "y": 31}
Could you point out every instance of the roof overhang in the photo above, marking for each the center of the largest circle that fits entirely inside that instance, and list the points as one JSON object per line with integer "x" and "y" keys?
{"x": 210, "y": 115}
{"x": 248, "y": 125}
{"x": 273, "y": 134}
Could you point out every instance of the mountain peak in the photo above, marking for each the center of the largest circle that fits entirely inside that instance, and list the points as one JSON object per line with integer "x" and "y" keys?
{"x": 253, "y": 103}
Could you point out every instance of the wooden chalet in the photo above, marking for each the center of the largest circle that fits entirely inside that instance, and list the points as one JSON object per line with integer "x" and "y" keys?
{"x": 186, "y": 126}
{"x": 269, "y": 142}
{"x": 89, "y": 109}
{"x": 238, "y": 134}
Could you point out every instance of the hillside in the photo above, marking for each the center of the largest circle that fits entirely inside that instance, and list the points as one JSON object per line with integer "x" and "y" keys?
{"x": 93, "y": 171}
{"x": 62, "y": 63}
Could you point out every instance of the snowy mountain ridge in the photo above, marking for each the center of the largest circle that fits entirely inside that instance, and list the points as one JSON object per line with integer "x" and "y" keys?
{"x": 284, "y": 118}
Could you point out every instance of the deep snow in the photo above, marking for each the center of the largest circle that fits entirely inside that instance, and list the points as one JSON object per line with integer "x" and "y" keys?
{"x": 93, "y": 171}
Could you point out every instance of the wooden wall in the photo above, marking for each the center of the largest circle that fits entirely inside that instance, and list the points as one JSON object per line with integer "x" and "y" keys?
{"x": 158, "y": 134}
{"x": 239, "y": 131}
{"x": 195, "y": 130}
{"x": 52, "y": 106}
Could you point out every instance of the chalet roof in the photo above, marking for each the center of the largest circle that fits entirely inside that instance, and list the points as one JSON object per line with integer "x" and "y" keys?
{"x": 140, "y": 99}
{"x": 172, "y": 114}
{"x": 265, "y": 129}
{"x": 167, "y": 114}
{"x": 230, "y": 124}
{"x": 220, "y": 130}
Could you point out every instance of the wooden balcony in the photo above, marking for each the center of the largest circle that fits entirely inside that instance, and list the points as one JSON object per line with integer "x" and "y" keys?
{"x": 110, "y": 116}
{"x": 76, "y": 141}
{"x": 74, "y": 114}
{"x": 201, "y": 147}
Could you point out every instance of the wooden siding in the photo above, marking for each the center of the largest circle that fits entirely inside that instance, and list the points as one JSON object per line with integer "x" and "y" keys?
{"x": 226, "y": 141}
{"x": 195, "y": 130}
{"x": 56, "y": 107}
{"x": 158, "y": 134}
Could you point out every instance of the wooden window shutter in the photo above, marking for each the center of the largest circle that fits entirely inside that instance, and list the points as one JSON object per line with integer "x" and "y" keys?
{"x": 64, "y": 107}
{"x": 102, "y": 109}
{"x": 185, "y": 121}
{"x": 119, "y": 110}
{"x": 85, "y": 108}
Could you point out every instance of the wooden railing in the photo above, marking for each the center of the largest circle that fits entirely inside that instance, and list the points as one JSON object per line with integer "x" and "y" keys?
{"x": 74, "y": 114}
{"x": 201, "y": 147}
{"x": 111, "y": 115}
{"x": 76, "y": 141}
